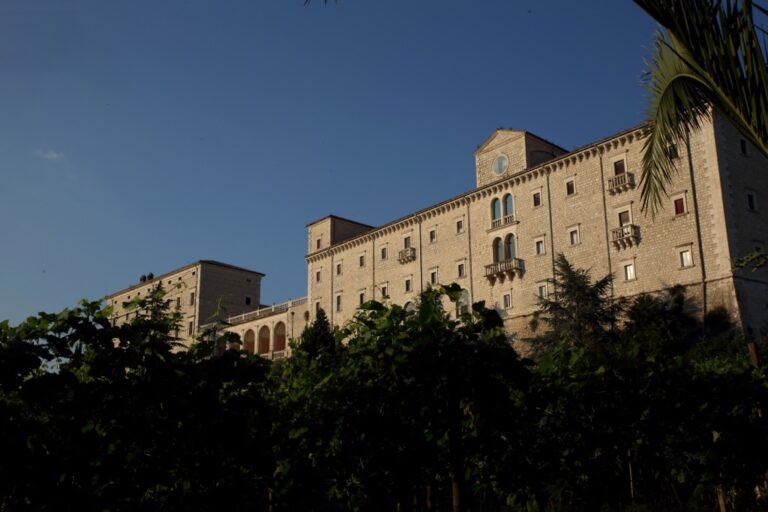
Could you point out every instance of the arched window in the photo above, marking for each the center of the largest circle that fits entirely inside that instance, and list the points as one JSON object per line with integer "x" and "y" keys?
{"x": 279, "y": 336}
{"x": 495, "y": 210}
{"x": 221, "y": 346}
{"x": 509, "y": 205}
{"x": 498, "y": 251}
{"x": 264, "y": 340}
{"x": 250, "y": 341}
{"x": 409, "y": 306}
{"x": 509, "y": 246}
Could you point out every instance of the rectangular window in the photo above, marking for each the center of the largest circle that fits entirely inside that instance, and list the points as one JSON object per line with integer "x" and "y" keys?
{"x": 679, "y": 203}
{"x": 573, "y": 236}
{"x": 751, "y": 203}
{"x": 407, "y": 242}
{"x": 570, "y": 187}
{"x": 433, "y": 277}
{"x": 338, "y": 303}
{"x": 384, "y": 291}
{"x": 685, "y": 258}
{"x": 540, "y": 247}
{"x": 672, "y": 151}
{"x": 624, "y": 218}
{"x": 459, "y": 226}
{"x": 407, "y": 285}
{"x": 317, "y": 276}
{"x": 178, "y": 302}
{"x": 536, "y": 199}
{"x": 338, "y": 269}
{"x": 247, "y": 300}
{"x": 317, "y": 243}
{"x": 462, "y": 272}
{"x": 192, "y": 299}
{"x": 361, "y": 298}
{"x": 432, "y": 236}
{"x": 743, "y": 145}
{"x": 507, "y": 300}
{"x": 542, "y": 291}
{"x": 629, "y": 271}
{"x": 190, "y": 328}
{"x": 383, "y": 253}
{"x": 619, "y": 167}
{"x": 362, "y": 260}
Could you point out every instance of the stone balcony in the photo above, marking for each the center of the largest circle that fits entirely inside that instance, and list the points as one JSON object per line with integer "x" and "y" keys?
{"x": 407, "y": 255}
{"x": 503, "y": 221}
{"x": 501, "y": 270}
{"x": 621, "y": 182}
{"x": 625, "y": 236}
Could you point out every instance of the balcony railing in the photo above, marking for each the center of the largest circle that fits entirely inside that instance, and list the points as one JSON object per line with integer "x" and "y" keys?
{"x": 625, "y": 236}
{"x": 505, "y": 268}
{"x": 406, "y": 255}
{"x": 621, "y": 182}
{"x": 502, "y": 221}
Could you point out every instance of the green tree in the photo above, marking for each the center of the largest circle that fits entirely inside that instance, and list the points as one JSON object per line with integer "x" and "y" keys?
{"x": 710, "y": 56}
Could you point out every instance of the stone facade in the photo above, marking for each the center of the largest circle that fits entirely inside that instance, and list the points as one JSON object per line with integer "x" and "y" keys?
{"x": 534, "y": 200}
{"x": 267, "y": 330}
{"x": 200, "y": 292}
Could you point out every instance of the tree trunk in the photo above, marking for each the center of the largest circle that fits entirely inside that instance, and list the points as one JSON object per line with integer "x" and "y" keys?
{"x": 456, "y": 493}
{"x": 721, "y": 499}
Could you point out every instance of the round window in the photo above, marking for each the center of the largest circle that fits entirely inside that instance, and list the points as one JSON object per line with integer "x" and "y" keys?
{"x": 500, "y": 164}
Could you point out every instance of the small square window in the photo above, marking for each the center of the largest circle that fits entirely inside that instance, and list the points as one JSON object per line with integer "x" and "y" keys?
{"x": 407, "y": 242}
{"x": 362, "y": 260}
{"x": 338, "y": 303}
{"x": 629, "y": 271}
{"x": 507, "y": 300}
{"x": 542, "y": 291}
{"x": 317, "y": 276}
{"x": 672, "y": 151}
{"x": 624, "y": 218}
{"x": 407, "y": 285}
{"x": 383, "y": 253}
{"x": 433, "y": 277}
{"x": 247, "y": 300}
{"x": 432, "y": 236}
{"x": 384, "y": 291}
{"x": 540, "y": 247}
{"x": 462, "y": 271}
{"x": 536, "y": 199}
{"x": 460, "y": 226}
{"x": 619, "y": 167}
{"x": 685, "y": 258}
{"x": 573, "y": 236}
{"x": 338, "y": 269}
{"x": 679, "y": 205}
{"x": 570, "y": 187}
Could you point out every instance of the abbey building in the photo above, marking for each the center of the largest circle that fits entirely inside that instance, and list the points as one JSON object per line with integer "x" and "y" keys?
{"x": 533, "y": 200}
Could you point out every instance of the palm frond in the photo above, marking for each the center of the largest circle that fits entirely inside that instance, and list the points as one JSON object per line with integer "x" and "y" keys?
{"x": 677, "y": 105}
{"x": 716, "y": 56}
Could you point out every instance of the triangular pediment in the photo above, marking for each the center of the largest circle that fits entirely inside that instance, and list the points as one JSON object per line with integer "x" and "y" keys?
{"x": 499, "y": 136}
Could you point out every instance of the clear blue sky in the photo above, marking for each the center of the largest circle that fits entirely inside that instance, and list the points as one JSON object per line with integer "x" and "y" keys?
{"x": 140, "y": 136}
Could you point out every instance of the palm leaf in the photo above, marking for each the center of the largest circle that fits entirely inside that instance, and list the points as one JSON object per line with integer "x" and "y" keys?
{"x": 712, "y": 56}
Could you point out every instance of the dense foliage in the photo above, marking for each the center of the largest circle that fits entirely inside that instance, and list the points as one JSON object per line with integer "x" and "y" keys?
{"x": 623, "y": 406}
